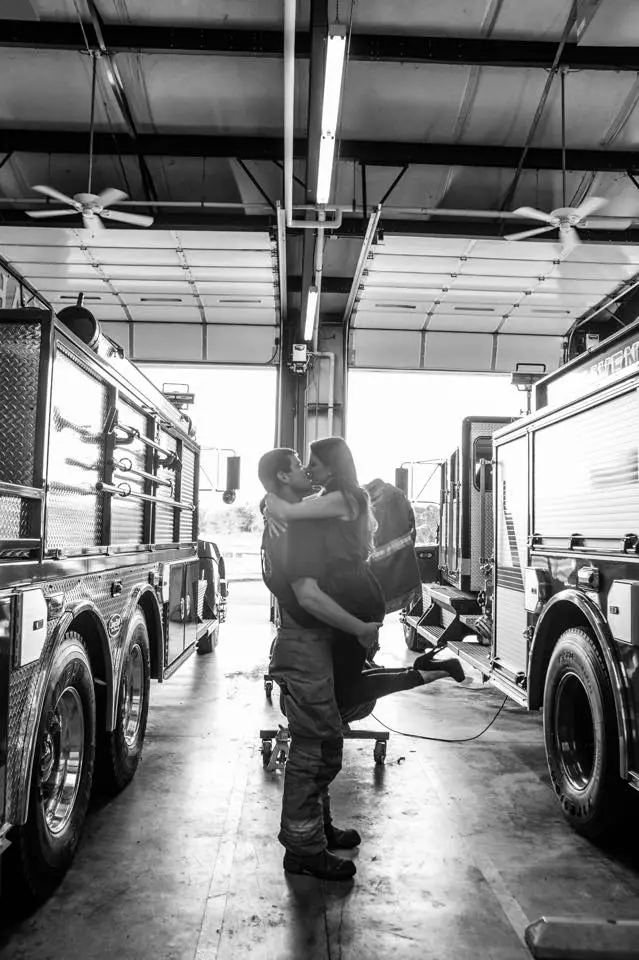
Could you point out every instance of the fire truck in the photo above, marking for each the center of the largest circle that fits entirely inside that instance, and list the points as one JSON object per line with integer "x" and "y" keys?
{"x": 535, "y": 578}
{"x": 103, "y": 584}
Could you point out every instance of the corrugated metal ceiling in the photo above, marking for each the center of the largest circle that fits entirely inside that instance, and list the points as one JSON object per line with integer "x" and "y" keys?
{"x": 230, "y": 95}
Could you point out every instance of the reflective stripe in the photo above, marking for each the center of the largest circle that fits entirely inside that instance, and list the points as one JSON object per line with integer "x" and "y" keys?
{"x": 392, "y": 547}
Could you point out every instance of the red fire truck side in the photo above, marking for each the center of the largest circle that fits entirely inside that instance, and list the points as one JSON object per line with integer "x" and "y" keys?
{"x": 555, "y": 621}
{"x": 102, "y": 583}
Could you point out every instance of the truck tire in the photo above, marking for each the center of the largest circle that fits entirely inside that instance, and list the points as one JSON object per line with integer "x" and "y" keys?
{"x": 120, "y": 750}
{"x": 580, "y": 731}
{"x": 43, "y": 848}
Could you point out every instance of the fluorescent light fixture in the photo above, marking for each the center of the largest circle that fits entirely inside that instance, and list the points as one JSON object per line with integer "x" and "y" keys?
{"x": 311, "y": 309}
{"x": 333, "y": 73}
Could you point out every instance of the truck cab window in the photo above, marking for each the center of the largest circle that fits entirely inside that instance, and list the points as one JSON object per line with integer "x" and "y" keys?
{"x": 482, "y": 450}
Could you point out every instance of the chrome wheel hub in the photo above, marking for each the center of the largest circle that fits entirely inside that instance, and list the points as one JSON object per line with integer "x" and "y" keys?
{"x": 60, "y": 762}
{"x": 132, "y": 694}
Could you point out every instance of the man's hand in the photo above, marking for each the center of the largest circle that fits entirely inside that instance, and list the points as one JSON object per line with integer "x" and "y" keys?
{"x": 369, "y": 634}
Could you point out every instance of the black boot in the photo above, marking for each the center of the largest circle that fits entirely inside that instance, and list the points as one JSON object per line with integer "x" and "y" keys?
{"x": 451, "y": 665}
{"x": 324, "y": 866}
{"x": 337, "y": 839}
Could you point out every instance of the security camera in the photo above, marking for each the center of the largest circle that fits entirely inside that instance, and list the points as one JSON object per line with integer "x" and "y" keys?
{"x": 228, "y": 496}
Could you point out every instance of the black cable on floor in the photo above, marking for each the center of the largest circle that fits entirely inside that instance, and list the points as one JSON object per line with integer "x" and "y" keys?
{"x": 420, "y": 736}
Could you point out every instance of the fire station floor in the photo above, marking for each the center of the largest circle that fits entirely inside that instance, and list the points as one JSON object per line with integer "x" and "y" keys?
{"x": 463, "y": 843}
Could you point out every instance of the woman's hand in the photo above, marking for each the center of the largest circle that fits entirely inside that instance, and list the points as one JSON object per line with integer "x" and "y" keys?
{"x": 368, "y": 635}
{"x": 276, "y": 507}
{"x": 274, "y": 526}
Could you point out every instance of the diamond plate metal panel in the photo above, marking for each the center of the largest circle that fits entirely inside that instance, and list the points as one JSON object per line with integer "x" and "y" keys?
{"x": 15, "y": 517}
{"x": 20, "y": 705}
{"x": 19, "y": 361}
{"x": 76, "y": 456}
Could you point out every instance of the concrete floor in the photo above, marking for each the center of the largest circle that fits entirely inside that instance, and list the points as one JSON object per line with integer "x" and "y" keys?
{"x": 463, "y": 844}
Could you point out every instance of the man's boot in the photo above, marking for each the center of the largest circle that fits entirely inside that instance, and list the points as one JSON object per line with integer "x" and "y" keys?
{"x": 323, "y": 866}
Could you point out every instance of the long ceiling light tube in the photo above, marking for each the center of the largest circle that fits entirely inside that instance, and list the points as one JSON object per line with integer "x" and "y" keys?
{"x": 311, "y": 310}
{"x": 289, "y": 103}
{"x": 333, "y": 77}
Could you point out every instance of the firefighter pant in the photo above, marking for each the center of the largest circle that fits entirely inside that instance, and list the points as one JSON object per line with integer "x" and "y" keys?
{"x": 302, "y": 665}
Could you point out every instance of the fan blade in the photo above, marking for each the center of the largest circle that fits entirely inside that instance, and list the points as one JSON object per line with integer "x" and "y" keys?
{"x": 42, "y": 214}
{"x": 109, "y": 196}
{"x": 527, "y": 233}
{"x": 92, "y": 224}
{"x": 533, "y": 214}
{"x": 56, "y": 195}
{"x": 606, "y": 223}
{"x": 138, "y": 219}
{"x": 569, "y": 239}
{"x": 590, "y": 206}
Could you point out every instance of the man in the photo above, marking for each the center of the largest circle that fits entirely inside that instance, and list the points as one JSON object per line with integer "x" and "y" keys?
{"x": 302, "y": 665}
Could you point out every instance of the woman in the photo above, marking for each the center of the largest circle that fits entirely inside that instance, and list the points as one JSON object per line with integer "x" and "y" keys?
{"x": 345, "y": 507}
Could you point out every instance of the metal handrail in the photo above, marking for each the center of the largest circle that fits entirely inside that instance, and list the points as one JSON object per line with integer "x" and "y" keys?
{"x": 124, "y": 490}
{"x": 121, "y": 466}
{"x": 132, "y": 433}
{"x": 18, "y": 490}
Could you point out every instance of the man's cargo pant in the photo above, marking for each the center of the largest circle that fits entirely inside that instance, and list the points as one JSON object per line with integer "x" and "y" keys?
{"x": 302, "y": 665}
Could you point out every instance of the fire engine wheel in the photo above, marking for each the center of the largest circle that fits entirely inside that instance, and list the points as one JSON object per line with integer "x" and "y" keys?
{"x": 580, "y": 731}
{"x": 44, "y": 846}
{"x": 121, "y": 749}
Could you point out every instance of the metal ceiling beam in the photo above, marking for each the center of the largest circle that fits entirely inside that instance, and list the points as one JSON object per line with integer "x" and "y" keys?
{"x": 370, "y": 152}
{"x": 351, "y": 226}
{"x": 65, "y": 35}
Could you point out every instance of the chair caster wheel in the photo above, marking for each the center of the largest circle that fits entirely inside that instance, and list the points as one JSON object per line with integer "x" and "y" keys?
{"x": 379, "y": 753}
{"x": 267, "y": 750}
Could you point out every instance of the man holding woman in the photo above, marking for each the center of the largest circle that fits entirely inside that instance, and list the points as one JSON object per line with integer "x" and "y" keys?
{"x": 332, "y": 608}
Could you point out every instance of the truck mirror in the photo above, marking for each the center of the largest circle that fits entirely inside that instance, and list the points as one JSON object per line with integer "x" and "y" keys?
{"x": 232, "y": 473}
{"x": 401, "y": 479}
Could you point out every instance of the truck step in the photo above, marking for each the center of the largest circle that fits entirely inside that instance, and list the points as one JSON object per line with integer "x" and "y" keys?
{"x": 430, "y": 633}
{"x": 480, "y": 625}
{"x": 473, "y": 653}
{"x": 453, "y": 599}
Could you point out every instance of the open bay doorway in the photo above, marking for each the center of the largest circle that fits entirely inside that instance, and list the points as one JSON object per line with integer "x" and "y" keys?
{"x": 394, "y": 417}
{"x": 233, "y": 412}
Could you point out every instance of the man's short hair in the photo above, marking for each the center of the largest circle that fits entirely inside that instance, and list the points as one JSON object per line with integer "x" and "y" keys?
{"x": 274, "y": 462}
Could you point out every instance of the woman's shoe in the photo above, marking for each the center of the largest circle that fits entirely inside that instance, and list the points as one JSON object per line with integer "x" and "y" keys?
{"x": 324, "y": 866}
{"x": 337, "y": 839}
{"x": 451, "y": 665}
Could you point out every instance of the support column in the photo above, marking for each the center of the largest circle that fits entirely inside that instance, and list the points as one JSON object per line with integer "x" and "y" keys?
{"x": 325, "y": 396}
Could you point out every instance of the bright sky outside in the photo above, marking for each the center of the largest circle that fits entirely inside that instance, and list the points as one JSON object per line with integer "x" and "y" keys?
{"x": 392, "y": 417}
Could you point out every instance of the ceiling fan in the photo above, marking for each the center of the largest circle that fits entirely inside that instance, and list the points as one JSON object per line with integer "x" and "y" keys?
{"x": 565, "y": 219}
{"x": 93, "y": 207}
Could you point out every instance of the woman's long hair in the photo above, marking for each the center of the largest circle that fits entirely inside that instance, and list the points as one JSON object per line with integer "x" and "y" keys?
{"x": 336, "y": 456}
